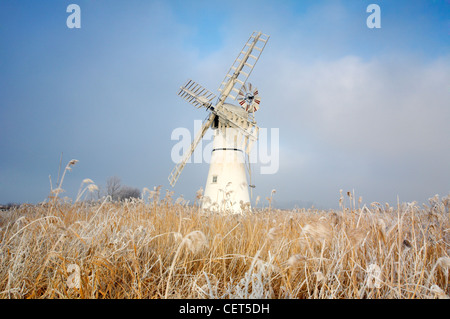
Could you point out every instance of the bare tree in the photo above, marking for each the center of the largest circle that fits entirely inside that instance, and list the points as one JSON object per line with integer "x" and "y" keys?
{"x": 127, "y": 192}
{"x": 113, "y": 187}
{"x": 119, "y": 192}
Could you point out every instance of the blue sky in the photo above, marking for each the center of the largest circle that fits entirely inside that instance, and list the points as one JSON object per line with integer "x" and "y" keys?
{"x": 357, "y": 108}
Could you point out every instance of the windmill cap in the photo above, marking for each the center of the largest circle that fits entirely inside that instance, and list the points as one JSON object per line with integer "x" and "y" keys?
{"x": 236, "y": 109}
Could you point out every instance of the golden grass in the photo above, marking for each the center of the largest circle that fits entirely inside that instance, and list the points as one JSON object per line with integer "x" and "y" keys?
{"x": 152, "y": 248}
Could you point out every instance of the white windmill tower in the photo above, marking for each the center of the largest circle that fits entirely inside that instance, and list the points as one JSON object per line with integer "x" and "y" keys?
{"x": 235, "y": 130}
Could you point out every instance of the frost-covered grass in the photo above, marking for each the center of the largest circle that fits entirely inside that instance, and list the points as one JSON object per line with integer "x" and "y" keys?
{"x": 161, "y": 248}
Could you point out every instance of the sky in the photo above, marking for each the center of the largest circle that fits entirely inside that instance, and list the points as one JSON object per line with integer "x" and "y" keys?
{"x": 357, "y": 109}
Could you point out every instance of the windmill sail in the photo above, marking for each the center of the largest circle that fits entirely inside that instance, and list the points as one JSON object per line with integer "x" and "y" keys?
{"x": 236, "y": 77}
{"x": 173, "y": 177}
{"x": 195, "y": 94}
{"x": 243, "y": 66}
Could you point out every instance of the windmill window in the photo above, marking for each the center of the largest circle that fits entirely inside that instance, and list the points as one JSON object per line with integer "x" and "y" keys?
{"x": 214, "y": 179}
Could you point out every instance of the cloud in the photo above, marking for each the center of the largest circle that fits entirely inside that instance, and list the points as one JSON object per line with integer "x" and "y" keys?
{"x": 376, "y": 122}
{"x": 375, "y": 106}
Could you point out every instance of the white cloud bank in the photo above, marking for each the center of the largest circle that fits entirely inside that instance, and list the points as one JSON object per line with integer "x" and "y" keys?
{"x": 380, "y": 126}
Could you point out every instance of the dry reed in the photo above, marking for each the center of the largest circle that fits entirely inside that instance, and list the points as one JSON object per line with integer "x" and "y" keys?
{"x": 164, "y": 248}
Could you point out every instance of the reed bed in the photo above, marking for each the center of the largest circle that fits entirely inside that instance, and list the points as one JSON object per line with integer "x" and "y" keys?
{"x": 165, "y": 248}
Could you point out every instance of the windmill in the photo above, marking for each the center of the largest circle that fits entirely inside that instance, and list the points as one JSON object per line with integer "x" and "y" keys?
{"x": 235, "y": 130}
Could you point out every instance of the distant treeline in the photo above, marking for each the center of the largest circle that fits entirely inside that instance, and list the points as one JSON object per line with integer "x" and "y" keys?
{"x": 9, "y": 206}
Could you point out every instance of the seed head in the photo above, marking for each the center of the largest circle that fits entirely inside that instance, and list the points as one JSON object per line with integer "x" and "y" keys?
{"x": 295, "y": 260}
{"x": 92, "y": 188}
{"x": 319, "y": 231}
{"x": 444, "y": 262}
{"x": 439, "y": 293}
{"x": 257, "y": 200}
{"x": 199, "y": 193}
{"x": 274, "y": 233}
{"x": 57, "y": 190}
{"x": 373, "y": 279}
{"x": 195, "y": 241}
{"x": 70, "y": 164}
{"x": 177, "y": 236}
{"x": 319, "y": 276}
